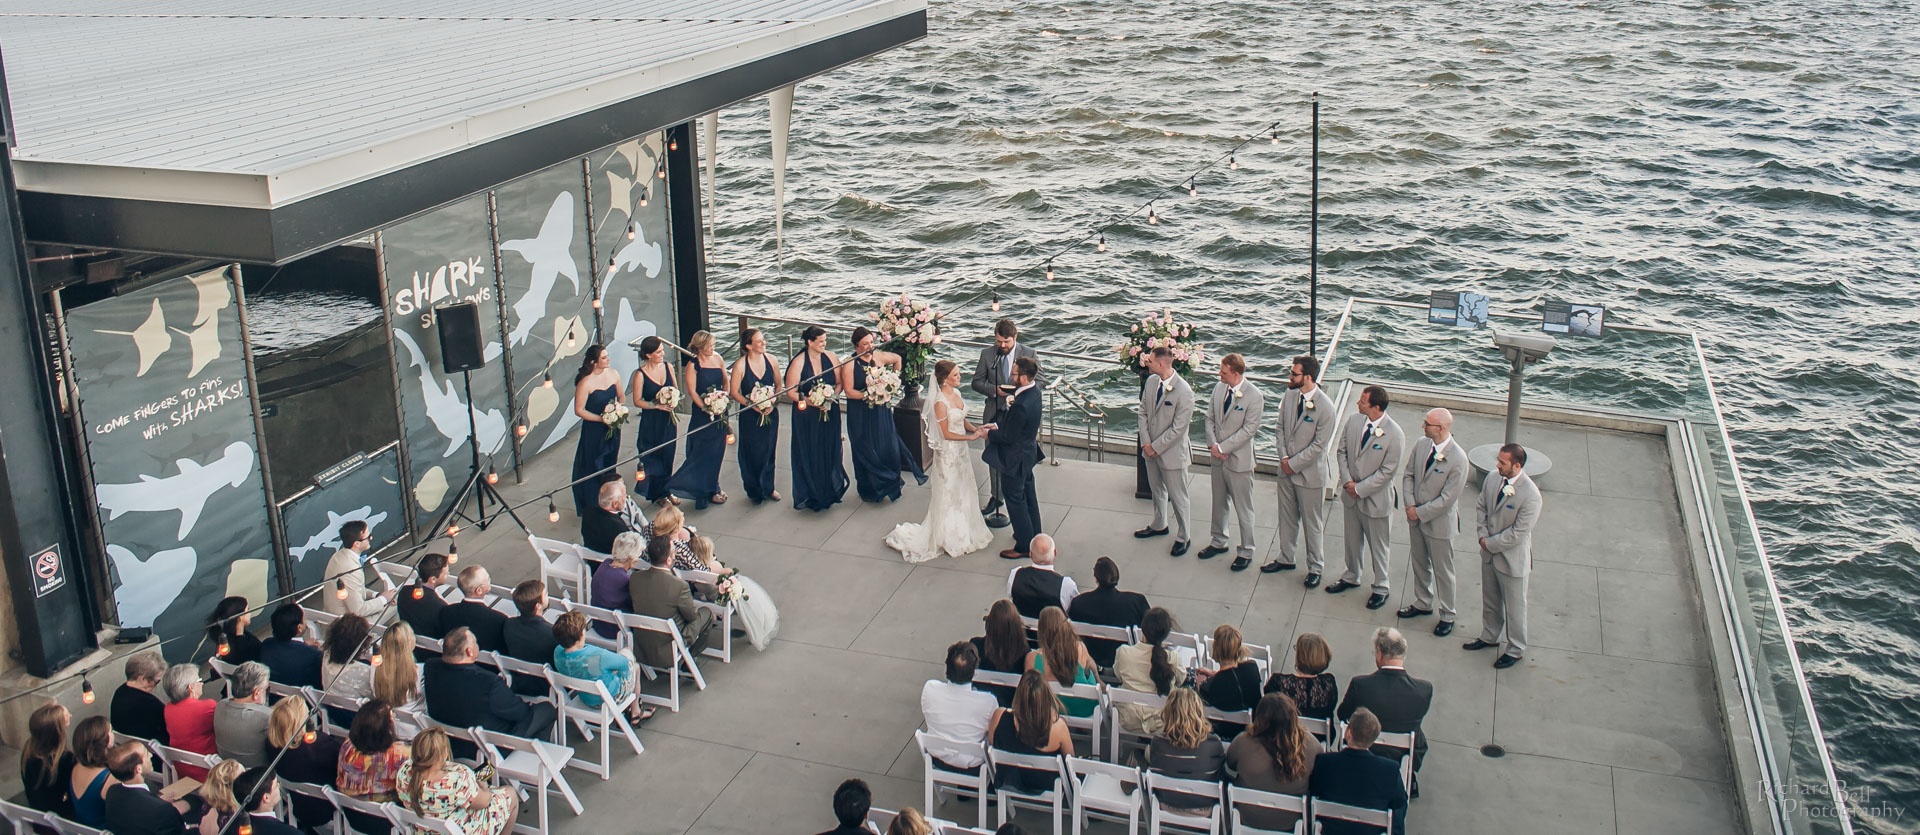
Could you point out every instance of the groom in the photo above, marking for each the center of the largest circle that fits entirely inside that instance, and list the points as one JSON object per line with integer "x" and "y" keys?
{"x": 1013, "y": 448}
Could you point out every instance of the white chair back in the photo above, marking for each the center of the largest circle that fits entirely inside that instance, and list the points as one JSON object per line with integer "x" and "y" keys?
{"x": 950, "y": 751}
{"x": 405, "y": 817}
{"x": 1000, "y": 679}
{"x": 561, "y": 567}
{"x": 533, "y": 763}
{"x": 1404, "y": 742}
{"x": 369, "y": 808}
{"x": 722, "y": 613}
{"x": 1326, "y": 810}
{"x": 1239, "y": 799}
{"x": 610, "y": 716}
{"x": 1054, "y": 799}
{"x": 1328, "y": 730}
{"x": 1094, "y": 725}
{"x": 1121, "y": 738}
{"x": 1210, "y": 819}
{"x": 1107, "y": 791}
{"x": 683, "y": 662}
{"x": 294, "y": 788}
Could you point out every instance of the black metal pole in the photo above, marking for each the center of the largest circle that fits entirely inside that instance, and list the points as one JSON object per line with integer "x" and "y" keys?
{"x": 1313, "y": 242}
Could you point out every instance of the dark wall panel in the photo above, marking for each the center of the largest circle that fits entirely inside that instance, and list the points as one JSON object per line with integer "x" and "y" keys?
{"x": 635, "y": 275}
{"x": 542, "y": 229}
{"x": 370, "y": 492}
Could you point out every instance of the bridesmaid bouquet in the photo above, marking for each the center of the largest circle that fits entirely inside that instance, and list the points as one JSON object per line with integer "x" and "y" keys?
{"x": 820, "y": 398}
{"x": 1158, "y": 330}
{"x": 883, "y": 385}
{"x": 614, "y": 415}
{"x": 761, "y": 399}
{"x": 715, "y": 404}
{"x": 909, "y": 328}
{"x": 668, "y": 397}
{"x": 727, "y": 589}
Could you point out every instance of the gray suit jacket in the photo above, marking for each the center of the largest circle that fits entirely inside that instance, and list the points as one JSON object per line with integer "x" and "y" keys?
{"x": 991, "y": 373}
{"x": 1166, "y": 420}
{"x": 1306, "y": 436}
{"x": 1435, "y": 493}
{"x": 662, "y": 594}
{"x": 1234, "y": 428}
{"x": 1506, "y": 523}
{"x": 1371, "y": 467}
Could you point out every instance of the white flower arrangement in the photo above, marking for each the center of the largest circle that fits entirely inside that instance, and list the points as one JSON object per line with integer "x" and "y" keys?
{"x": 1160, "y": 330}
{"x": 761, "y": 399}
{"x": 820, "y": 398}
{"x": 669, "y": 398}
{"x": 714, "y": 403}
{"x": 883, "y": 385}
{"x": 909, "y": 328}
{"x": 614, "y": 415}
{"x": 727, "y": 589}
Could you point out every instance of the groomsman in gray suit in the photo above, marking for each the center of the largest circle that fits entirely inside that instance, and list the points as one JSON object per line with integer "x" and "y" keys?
{"x": 1307, "y": 422}
{"x": 1233, "y": 420}
{"x": 1509, "y": 507}
{"x": 1435, "y": 478}
{"x": 1371, "y": 449}
{"x": 993, "y": 380}
{"x": 1166, "y": 428}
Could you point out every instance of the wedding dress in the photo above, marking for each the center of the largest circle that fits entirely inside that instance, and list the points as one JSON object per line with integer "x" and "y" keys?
{"x": 953, "y": 525}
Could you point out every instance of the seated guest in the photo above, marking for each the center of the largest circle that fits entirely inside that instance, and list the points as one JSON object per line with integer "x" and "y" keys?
{"x": 1148, "y": 667}
{"x": 463, "y": 695}
{"x": 1399, "y": 701}
{"x": 258, "y": 794}
{"x": 1186, "y": 749}
{"x": 604, "y": 522}
{"x": 1003, "y": 649}
{"x": 573, "y": 656}
{"x": 129, "y": 807}
{"x": 341, "y": 671}
{"x": 671, "y": 525}
{"x": 289, "y": 658}
{"x": 1107, "y": 605}
{"x": 420, "y": 601}
{"x": 909, "y": 822}
{"x": 609, "y": 588}
{"x": 302, "y": 760}
{"x": 529, "y": 637}
{"x": 1355, "y": 776}
{"x": 240, "y": 722}
{"x": 189, "y": 717}
{"x": 398, "y": 684}
{"x": 370, "y": 761}
{"x": 851, "y": 802}
{"x": 1312, "y": 689}
{"x": 228, "y": 625}
{"x": 658, "y": 592}
{"x": 1274, "y": 755}
{"x": 1032, "y": 726}
{"x": 1036, "y": 586}
{"x": 46, "y": 766}
{"x": 88, "y": 784}
{"x": 473, "y": 613}
{"x": 220, "y": 807}
{"x": 753, "y": 611}
{"x": 952, "y": 709}
{"x": 347, "y": 573}
{"x": 1235, "y": 685}
{"x": 135, "y": 710}
{"x": 433, "y": 785}
{"x": 1063, "y": 659}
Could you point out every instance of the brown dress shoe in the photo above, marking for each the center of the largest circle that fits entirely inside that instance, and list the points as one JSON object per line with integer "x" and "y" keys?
{"x": 1011, "y": 554}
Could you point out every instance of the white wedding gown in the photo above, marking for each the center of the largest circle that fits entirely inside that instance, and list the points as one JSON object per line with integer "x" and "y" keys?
{"x": 953, "y": 525}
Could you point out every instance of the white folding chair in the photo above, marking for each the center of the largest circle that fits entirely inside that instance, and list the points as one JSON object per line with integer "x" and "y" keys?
{"x": 1000, "y": 679}
{"x": 421, "y": 823}
{"x": 1092, "y": 725}
{"x": 319, "y": 619}
{"x": 1054, "y": 799}
{"x": 561, "y": 568}
{"x": 683, "y": 663}
{"x": 532, "y": 763}
{"x": 1262, "y": 655}
{"x": 880, "y": 820}
{"x": 509, "y": 666}
{"x": 225, "y": 671}
{"x": 958, "y": 782}
{"x": 1210, "y": 822}
{"x": 1239, "y": 799}
{"x": 1403, "y": 742}
{"x": 172, "y": 758}
{"x": 1189, "y": 650}
{"x": 21, "y": 819}
{"x": 1328, "y": 730}
{"x": 1243, "y": 718}
{"x": 1327, "y": 810}
{"x": 281, "y": 691}
{"x": 595, "y": 614}
{"x": 609, "y": 716}
{"x": 67, "y": 827}
{"x": 313, "y": 791}
{"x": 1122, "y": 739}
{"x": 1106, "y": 791}
{"x": 722, "y": 613}
{"x": 344, "y": 804}
{"x": 1121, "y": 635}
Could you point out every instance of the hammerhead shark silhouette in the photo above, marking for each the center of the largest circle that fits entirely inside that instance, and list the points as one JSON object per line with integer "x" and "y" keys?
{"x": 447, "y": 412}
{"x": 187, "y": 492}
{"x": 549, "y": 255}
{"x": 149, "y": 586}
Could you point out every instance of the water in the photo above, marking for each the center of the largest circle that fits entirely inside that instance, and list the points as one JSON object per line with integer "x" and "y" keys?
{"x": 284, "y": 320}
{"x": 1743, "y": 168}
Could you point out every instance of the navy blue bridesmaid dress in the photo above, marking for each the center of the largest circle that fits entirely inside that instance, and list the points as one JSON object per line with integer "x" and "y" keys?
{"x": 819, "y": 477}
{"x": 757, "y": 443}
{"x": 699, "y": 475}
{"x": 597, "y": 449}
{"x": 656, "y": 427}
{"x": 878, "y": 452}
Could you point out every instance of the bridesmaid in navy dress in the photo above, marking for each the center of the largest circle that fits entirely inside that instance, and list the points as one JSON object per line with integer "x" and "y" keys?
{"x": 705, "y": 377}
{"x": 594, "y": 386}
{"x": 878, "y": 452}
{"x": 657, "y": 423}
{"x": 757, "y": 443}
{"x": 819, "y": 477}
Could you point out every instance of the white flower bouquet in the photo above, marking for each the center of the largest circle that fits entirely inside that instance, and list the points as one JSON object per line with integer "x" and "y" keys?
{"x": 761, "y": 398}
{"x": 821, "y": 398}
{"x": 727, "y": 589}
{"x": 883, "y": 385}
{"x": 669, "y": 398}
{"x": 615, "y": 415}
{"x": 714, "y": 403}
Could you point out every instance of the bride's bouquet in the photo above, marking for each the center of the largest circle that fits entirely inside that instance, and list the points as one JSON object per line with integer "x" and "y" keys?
{"x": 761, "y": 399}
{"x": 714, "y": 403}
{"x": 615, "y": 415}
{"x": 883, "y": 385}
{"x": 727, "y": 588}
{"x": 668, "y": 397}
{"x": 820, "y": 398}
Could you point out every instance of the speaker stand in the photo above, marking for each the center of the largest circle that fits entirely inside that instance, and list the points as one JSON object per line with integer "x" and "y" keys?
{"x": 476, "y": 485}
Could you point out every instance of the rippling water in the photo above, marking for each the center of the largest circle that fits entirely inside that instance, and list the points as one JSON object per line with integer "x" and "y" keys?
{"x": 1748, "y": 169}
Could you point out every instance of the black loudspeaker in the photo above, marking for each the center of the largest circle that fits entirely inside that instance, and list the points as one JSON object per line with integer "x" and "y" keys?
{"x": 460, "y": 347}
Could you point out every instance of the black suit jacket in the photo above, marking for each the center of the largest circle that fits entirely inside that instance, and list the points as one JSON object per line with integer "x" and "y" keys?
{"x": 1399, "y": 700}
{"x": 264, "y": 824}
{"x": 292, "y": 662}
{"x": 132, "y": 811}
{"x": 465, "y": 695}
{"x": 1014, "y": 447}
{"x": 139, "y": 713}
{"x": 423, "y": 614}
{"x": 1107, "y": 607}
{"x": 1359, "y": 778}
{"x": 598, "y": 528}
{"x": 529, "y": 638}
{"x": 483, "y": 620}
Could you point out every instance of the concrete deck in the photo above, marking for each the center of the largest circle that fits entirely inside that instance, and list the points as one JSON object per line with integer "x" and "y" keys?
{"x": 1611, "y": 724}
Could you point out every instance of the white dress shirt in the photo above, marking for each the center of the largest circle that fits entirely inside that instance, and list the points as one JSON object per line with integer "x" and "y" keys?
{"x": 959, "y": 713}
{"x": 1068, "y": 589}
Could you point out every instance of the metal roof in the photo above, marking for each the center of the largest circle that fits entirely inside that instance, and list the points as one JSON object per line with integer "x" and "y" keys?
{"x": 260, "y": 104}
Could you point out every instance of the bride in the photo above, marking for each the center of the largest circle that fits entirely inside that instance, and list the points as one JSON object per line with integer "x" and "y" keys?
{"x": 953, "y": 525}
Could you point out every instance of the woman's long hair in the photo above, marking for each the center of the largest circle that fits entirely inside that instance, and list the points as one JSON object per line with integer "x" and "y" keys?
{"x": 397, "y": 682}
{"x": 1006, "y": 644}
{"x": 430, "y": 753}
{"x": 1276, "y": 726}
{"x": 588, "y": 362}
{"x": 344, "y": 638}
{"x": 288, "y": 724}
{"x": 1034, "y": 710}
{"x": 1184, "y": 719}
{"x": 218, "y": 787}
{"x": 1059, "y": 645}
{"x": 372, "y": 730}
{"x": 46, "y": 740}
{"x": 221, "y": 623}
{"x": 91, "y": 739}
{"x": 1155, "y": 626}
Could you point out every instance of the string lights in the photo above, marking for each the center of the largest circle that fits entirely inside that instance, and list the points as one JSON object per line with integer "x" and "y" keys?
{"x": 492, "y": 477}
{"x": 553, "y": 510}
{"x": 86, "y": 690}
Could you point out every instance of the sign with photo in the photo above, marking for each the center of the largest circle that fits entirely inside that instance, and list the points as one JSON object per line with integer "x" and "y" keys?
{"x": 1560, "y": 317}
{"x": 369, "y": 490}
{"x": 1458, "y": 309}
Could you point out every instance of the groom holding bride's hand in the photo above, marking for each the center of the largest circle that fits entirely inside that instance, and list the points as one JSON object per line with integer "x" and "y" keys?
{"x": 1013, "y": 448}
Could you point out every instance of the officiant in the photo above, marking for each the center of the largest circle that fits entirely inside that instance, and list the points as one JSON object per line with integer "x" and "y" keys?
{"x": 993, "y": 379}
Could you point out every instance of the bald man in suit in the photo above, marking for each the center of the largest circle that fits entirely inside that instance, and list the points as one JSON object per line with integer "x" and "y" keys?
{"x": 1509, "y": 507}
{"x": 1431, "y": 486}
{"x": 1371, "y": 449}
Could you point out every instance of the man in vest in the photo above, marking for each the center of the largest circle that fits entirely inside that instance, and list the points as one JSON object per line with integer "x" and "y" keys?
{"x": 1036, "y": 586}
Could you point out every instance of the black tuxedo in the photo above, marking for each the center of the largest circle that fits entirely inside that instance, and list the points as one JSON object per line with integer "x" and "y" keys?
{"x": 423, "y": 614}
{"x": 485, "y": 623}
{"x": 1355, "y": 777}
{"x": 1399, "y": 700}
{"x": 598, "y": 528}
{"x": 1107, "y": 607}
{"x": 132, "y": 811}
{"x": 1012, "y": 450}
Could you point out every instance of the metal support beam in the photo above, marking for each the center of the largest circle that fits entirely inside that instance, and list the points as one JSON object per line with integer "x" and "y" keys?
{"x": 683, "y": 221}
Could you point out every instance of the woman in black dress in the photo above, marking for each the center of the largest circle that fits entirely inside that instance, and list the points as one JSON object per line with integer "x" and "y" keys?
{"x": 1235, "y": 686}
{"x": 878, "y": 453}
{"x": 759, "y": 428}
{"x": 46, "y": 766}
{"x": 228, "y": 625}
{"x": 1032, "y": 726}
{"x": 658, "y": 426}
{"x": 819, "y": 475}
{"x": 595, "y": 385}
{"x": 1003, "y": 649}
{"x": 705, "y": 377}
{"x": 1313, "y": 690}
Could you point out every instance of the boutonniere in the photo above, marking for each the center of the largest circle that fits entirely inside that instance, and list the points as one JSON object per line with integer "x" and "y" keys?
{"x": 1310, "y": 406}
{"x": 1507, "y": 491}
{"x": 1439, "y": 458}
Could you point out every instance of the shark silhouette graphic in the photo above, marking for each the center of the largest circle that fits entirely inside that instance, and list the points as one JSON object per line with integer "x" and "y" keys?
{"x": 447, "y": 412}
{"x": 204, "y": 339}
{"x": 549, "y": 254}
{"x": 150, "y": 339}
{"x": 187, "y": 492}
{"x": 328, "y": 539}
{"x": 147, "y": 587}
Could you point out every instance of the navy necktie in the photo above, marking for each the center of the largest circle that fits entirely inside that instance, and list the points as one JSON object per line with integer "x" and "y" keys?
{"x": 1366, "y": 435}
{"x": 1430, "y": 455}
{"x": 1229, "y": 405}
{"x": 1299, "y": 407}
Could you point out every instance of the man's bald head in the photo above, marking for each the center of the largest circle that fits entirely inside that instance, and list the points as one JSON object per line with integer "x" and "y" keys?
{"x": 1041, "y": 549}
{"x": 1437, "y": 425}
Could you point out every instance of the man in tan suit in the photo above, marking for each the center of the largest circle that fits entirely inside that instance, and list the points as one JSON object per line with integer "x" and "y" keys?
{"x": 345, "y": 572}
{"x": 1166, "y": 425}
{"x": 1233, "y": 421}
{"x": 1307, "y": 422}
{"x": 1435, "y": 479}
{"x": 1509, "y": 507}
{"x": 660, "y": 593}
{"x": 1371, "y": 447}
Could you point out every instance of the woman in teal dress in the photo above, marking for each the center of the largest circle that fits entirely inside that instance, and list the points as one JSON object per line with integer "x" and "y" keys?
{"x": 1064, "y": 660}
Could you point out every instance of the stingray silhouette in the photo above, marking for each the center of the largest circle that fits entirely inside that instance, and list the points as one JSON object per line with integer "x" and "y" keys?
{"x": 445, "y": 409}
{"x": 150, "y": 340}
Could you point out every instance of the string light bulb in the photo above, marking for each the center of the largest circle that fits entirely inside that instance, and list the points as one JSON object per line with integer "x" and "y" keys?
{"x": 553, "y": 511}
{"x": 729, "y": 436}
{"x": 634, "y": 228}
{"x": 86, "y": 690}
{"x": 419, "y": 593}
{"x": 340, "y": 588}
{"x": 453, "y": 552}
{"x": 673, "y": 144}
{"x": 1103, "y": 242}
{"x": 1276, "y": 137}
{"x": 1049, "y": 269}
{"x": 1152, "y": 219}
{"x": 309, "y": 736}
{"x": 493, "y": 477}
{"x": 520, "y": 430}
{"x": 596, "y": 302}
{"x": 547, "y": 381}
{"x": 1193, "y": 187}
{"x": 661, "y": 172}
{"x": 640, "y": 474}
{"x": 612, "y": 265}
{"x": 224, "y": 647}
{"x": 245, "y": 828}
{"x": 373, "y": 659}
{"x": 996, "y": 301}
{"x": 644, "y": 193}
{"x": 453, "y": 530}
{"x": 1233, "y": 163}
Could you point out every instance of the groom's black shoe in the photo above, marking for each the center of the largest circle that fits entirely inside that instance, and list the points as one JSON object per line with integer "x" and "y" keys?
{"x": 989, "y": 509}
{"x": 1179, "y": 548}
{"x": 1144, "y": 533}
{"x": 1210, "y": 552}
